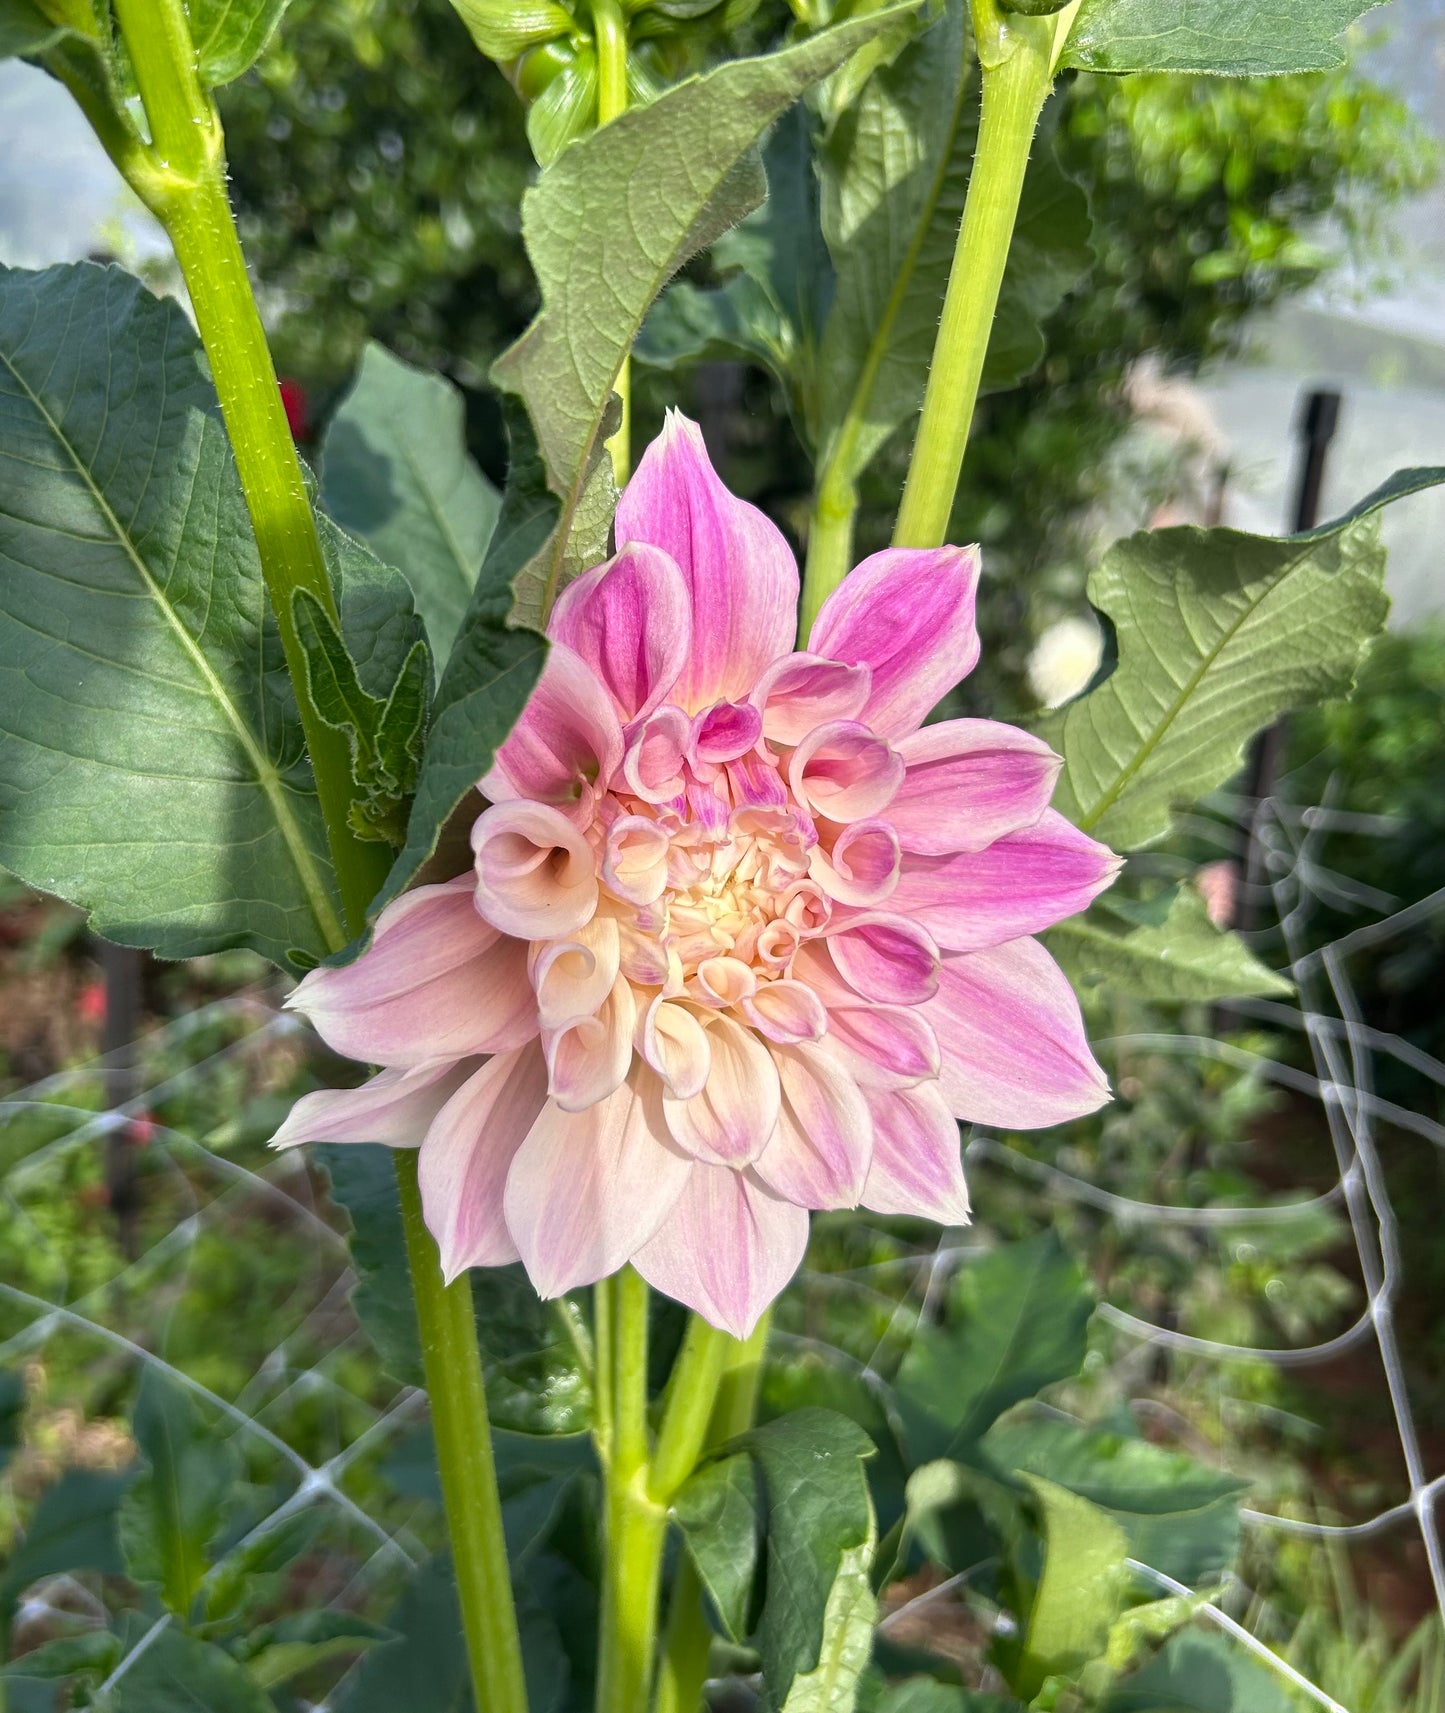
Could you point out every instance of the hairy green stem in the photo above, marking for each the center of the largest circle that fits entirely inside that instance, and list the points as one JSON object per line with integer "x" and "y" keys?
{"x": 1017, "y": 56}
{"x": 460, "y": 1426}
{"x": 181, "y": 177}
{"x": 830, "y": 542}
{"x": 682, "y": 1671}
{"x": 609, "y": 34}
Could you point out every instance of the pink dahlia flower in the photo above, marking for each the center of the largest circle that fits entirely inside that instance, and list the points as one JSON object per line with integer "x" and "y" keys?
{"x": 744, "y": 937}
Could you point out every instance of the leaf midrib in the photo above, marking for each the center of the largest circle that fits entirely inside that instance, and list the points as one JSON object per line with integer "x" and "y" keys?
{"x": 267, "y": 778}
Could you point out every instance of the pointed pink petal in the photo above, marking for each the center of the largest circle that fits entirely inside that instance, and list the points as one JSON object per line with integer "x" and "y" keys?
{"x": 968, "y": 783}
{"x": 885, "y": 957}
{"x": 908, "y": 614}
{"x": 466, "y": 1156}
{"x": 917, "y": 1156}
{"x": 727, "y": 1248}
{"x": 393, "y": 1108}
{"x": 630, "y": 620}
{"x": 1018, "y": 885}
{"x": 819, "y": 1153}
{"x": 885, "y": 1046}
{"x": 730, "y": 1122}
{"x": 803, "y": 691}
{"x": 587, "y": 1189}
{"x": 724, "y": 732}
{"x": 675, "y": 1044}
{"x": 862, "y": 865}
{"x": 787, "y": 1011}
{"x": 572, "y": 977}
{"x": 436, "y": 983}
{"x": 842, "y": 771}
{"x": 588, "y": 1057}
{"x": 536, "y": 874}
{"x": 740, "y": 573}
{"x": 567, "y": 741}
{"x": 1014, "y": 1050}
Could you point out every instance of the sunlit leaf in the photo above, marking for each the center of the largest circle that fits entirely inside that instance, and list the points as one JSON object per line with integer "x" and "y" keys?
{"x": 230, "y": 34}
{"x": 722, "y": 1517}
{"x": 1080, "y": 1590}
{"x": 1246, "y": 38}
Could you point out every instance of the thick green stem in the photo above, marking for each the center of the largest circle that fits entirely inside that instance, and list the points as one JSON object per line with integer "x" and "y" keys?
{"x": 688, "y": 1642}
{"x": 453, "y": 1369}
{"x": 181, "y": 176}
{"x": 830, "y": 543}
{"x": 609, "y": 33}
{"x": 1017, "y": 56}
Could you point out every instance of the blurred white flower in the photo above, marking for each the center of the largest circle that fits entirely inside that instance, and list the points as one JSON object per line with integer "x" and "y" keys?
{"x": 1064, "y": 659}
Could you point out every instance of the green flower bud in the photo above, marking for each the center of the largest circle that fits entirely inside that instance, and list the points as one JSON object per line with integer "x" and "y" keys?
{"x": 534, "y": 71}
{"x": 566, "y": 108}
{"x": 504, "y": 29}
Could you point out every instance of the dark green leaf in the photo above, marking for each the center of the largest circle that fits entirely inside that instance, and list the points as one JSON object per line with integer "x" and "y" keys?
{"x": 172, "y": 1513}
{"x": 487, "y": 678}
{"x": 73, "y": 1528}
{"x": 1201, "y": 1671}
{"x": 923, "y": 1695}
{"x": 264, "y": 1552}
{"x": 230, "y": 34}
{"x": 396, "y": 472}
{"x": 1185, "y": 957}
{"x": 12, "y": 1412}
{"x": 1180, "y": 1516}
{"x": 153, "y": 769}
{"x": 1218, "y": 634}
{"x": 1242, "y": 38}
{"x": 283, "y": 1649}
{"x": 177, "y": 1673}
{"x": 720, "y": 1513}
{"x": 92, "y": 1651}
{"x": 1015, "y": 1322}
{"x": 363, "y": 1181}
{"x": 819, "y": 1542}
{"x": 610, "y": 222}
{"x": 25, "y": 29}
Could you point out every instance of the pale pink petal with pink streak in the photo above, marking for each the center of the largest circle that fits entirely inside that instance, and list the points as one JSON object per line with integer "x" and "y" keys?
{"x": 885, "y": 1046}
{"x": 968, "y": 783}
{"x": 587, "y": 1189}
{"x": 656, "y": 750}
{"x": 730, "y": 1122}
{"x": 885, "y": 957}
{"x": 630, "y": 620}
{"x": 786, "y": 1011}
{"x": 536, "y": 874}
{"x": 908, "y": 614}
{"x": 803, "y": 691}
{"x": 634, "y": 859}
{"x": 844, "y": 772}
{"x": 393, "y": 1108}
{"x": 740, "y": 572}
{"x": 819, "y": 1153}
{"x": 861, "y": 866}
{"x": 727, "y": 1248}
{"x": 588, "y": 1057}
{"x": 675, "y": 1044}
{"x": 1020, "y": 884}
{"x": 1014, "y": 1050}
{"x": 573, "y": 976}
{"x": 567, "y": 740}
{"x": 724, "y": 732}
{"x": 917, "y": 1164}
{"x": 436, "y": 983}
{"x": 467, "y": 1154}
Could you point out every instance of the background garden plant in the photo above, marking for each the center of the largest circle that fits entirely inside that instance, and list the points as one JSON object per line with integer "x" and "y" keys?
{"x": 252, "y": 708}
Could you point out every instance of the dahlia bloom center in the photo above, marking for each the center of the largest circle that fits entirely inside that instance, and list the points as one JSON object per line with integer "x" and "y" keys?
{"x": 743, "y": 937}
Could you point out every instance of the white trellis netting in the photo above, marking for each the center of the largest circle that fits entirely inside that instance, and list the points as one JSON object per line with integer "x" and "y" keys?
{"x": 315, "y": 1413}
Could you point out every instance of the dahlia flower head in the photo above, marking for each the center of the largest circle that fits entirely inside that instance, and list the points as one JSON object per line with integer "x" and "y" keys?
{"x": 743, "y": 936}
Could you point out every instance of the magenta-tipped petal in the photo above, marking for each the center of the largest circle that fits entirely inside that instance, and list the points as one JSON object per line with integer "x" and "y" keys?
{"x": 803, "y": 691}
{"x": 1019, "y": 885}
{"x": 968, "y": 782}
{"x": 1014, "y": 1050}
{"x": 468, "y": 1151}
{"x": 393, "y": 1108}
{"x": 917, "y": 1164}
{"x": 726, "y": 1249}
{"x": 740, "y": 573}
{"x": 630, "y": 620}
{"x": 906, "y": 613}
{"x": 568, "y": 738}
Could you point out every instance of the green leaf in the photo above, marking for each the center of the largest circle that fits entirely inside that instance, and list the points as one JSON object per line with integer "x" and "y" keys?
{"x": 819, "y": 1541}
{"x": 1240, "y": 38}
{"x": 73, "y": 1528}
{"x": 25, "y": 29}
{"x": 12, "y": 1412}
{"x": 152, "y": 768}
{"x": 177, "y": 1673}
{"x": 1201, "y": 1671}
{"x": 230, "y": 34}
{"x": 923, "y": 1695}
{"x": 396, "y": 472}
{"x": 172, "y": 1513}
{"x": 1015, "y": 1322}
{"x": 1185, "y": 957}
{"x": 487, "y": 679}
{"x": 93, "y": 1652}
{"x": 384, "y": 738}
{"x": 612, "y": 220}
{"x": 1218, "y": 634}
{"x": 895, "y": 174}
{"x": 283, "y": 1649}
{"x": 1179, "y": 1516}
{"x": 1081, "y": 1588}
{"x": 720, "y": 1512}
